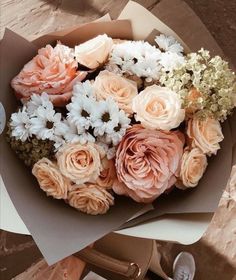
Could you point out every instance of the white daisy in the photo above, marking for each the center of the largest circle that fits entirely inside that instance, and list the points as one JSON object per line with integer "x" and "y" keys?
{"x": 168, "y": 44}
{"x": 138, "y": 58}
{"x": 81, "y": 111}
{"x": 171, "y": 61}
{"x": 58, "y": 142}
{"x": 84, "y": 88}
{"x": 37, "y": 100}
{"x": 108, "y": 148}
{"x": 105, "y": 117}
{"x": 20, "y": 125}
{"x": 85, "y": 135}
{"x": 115, "y": 135}
{"x": 44, "y": 123}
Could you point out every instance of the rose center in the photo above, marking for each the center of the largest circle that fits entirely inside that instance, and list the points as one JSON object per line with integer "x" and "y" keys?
{"x": 49, "y": 125}
{"x": 156, "y": 107}
{"x": 106, "y": 117}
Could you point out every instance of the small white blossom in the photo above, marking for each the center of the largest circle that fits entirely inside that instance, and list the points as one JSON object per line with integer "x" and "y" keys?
{"x": 136, "y": 57}
{"x": 44, "y": 123}
{"x": 85, "y": 136}
{"x": 20, "y": 124}
{"x": 170, "y": 61}
{"x": 105, "y": 117}
{"x": 37, "y": 100}
{"x": 168, "y": 44}
{"x": 107, "y": 146}
{"x": 81, "y": 111}
{"x": 58, "y": 142}
{"x": 115, "y": 135}
{"x": 84, "y": 88}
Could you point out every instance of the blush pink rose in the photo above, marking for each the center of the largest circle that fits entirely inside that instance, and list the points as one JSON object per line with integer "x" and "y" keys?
{"x": 52, "y": 70}
{"x": 147, "y": 162}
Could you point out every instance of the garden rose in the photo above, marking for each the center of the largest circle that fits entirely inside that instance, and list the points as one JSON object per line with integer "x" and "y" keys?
{"x": 52, "y": 70}
{"x": 205, "y": 134}
{"x": 91, "y": 199}
{"x": 122, "y": 90}
{"x": 193, "y": 166}
{"x": 147, "y": 162}
{"x": 50, "y": 179}
{"x": 94, "y": 52}
{"x": 158, "y": 108}
{"x": 108, "y": 174}
{"x": 80, "y": 163}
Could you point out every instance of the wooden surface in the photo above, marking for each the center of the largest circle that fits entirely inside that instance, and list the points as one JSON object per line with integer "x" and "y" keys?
{"x": 215, "y": 253}
{"x": 33, "y": 17}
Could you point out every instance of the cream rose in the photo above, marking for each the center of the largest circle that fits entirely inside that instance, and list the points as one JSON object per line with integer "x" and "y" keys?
{"x": 108, "y": 174}
{"x": 50, "y": 179}
{"x": 79, "y": 163}
{"x": 90, "y": 199}
{"x": 122, "y": 90}
{"x": 158, "y": 108}
{"x": 94, "y": 52}
{"x": 193, "y": 166}
{"x": 205, "y": 134}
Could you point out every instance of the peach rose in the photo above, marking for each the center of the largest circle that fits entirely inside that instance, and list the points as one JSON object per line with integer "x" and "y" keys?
{"x": 158, "y": 108}
{"x": 94, "y": 52}
{"x": 108, "y": 174}
{"x": 52, "y": 70}
{"x": 205, "y": 134}
{"x": 79, "y": 163}
{"x": 192, "y": 98}
{"x": 147, "y": 162}
{"x": 50, "y": 179}
{"x": 91, "y": 199}
{"x": 193, "y": 166}
{"x": 122, "y": 90}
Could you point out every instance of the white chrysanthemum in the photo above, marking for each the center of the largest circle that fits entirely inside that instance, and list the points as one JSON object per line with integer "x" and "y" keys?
{"x": 81, "y": 111}
{"x": 20, "y": 124}
{"x": 85, "y": 136}
{"x": 73, "y": 134}
{"x": 115, "y": 135}
{"x": 84, "y": 88}
{"x": 107, "y": 146}
{"x": 68, "y": 131}
{"x": 114, "y": 69}
{"x": 139, "y": 58}
{"x": 37, "y": 100}
{"x": 58, "y": 142}
{"x": 106, "y": 116}
{"x": 171, "y": 61}
{"x": 44, "y": 123}
{"x": 168, "y": 44}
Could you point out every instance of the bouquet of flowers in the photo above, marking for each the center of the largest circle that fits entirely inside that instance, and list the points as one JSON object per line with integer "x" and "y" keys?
{"x": 123, "y": 117}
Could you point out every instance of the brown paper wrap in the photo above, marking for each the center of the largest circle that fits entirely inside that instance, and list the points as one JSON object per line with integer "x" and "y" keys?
{"x": 57, "y": 229}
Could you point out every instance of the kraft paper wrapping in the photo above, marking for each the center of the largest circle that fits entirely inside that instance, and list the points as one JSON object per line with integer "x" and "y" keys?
{"x": 58, "y": 229}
